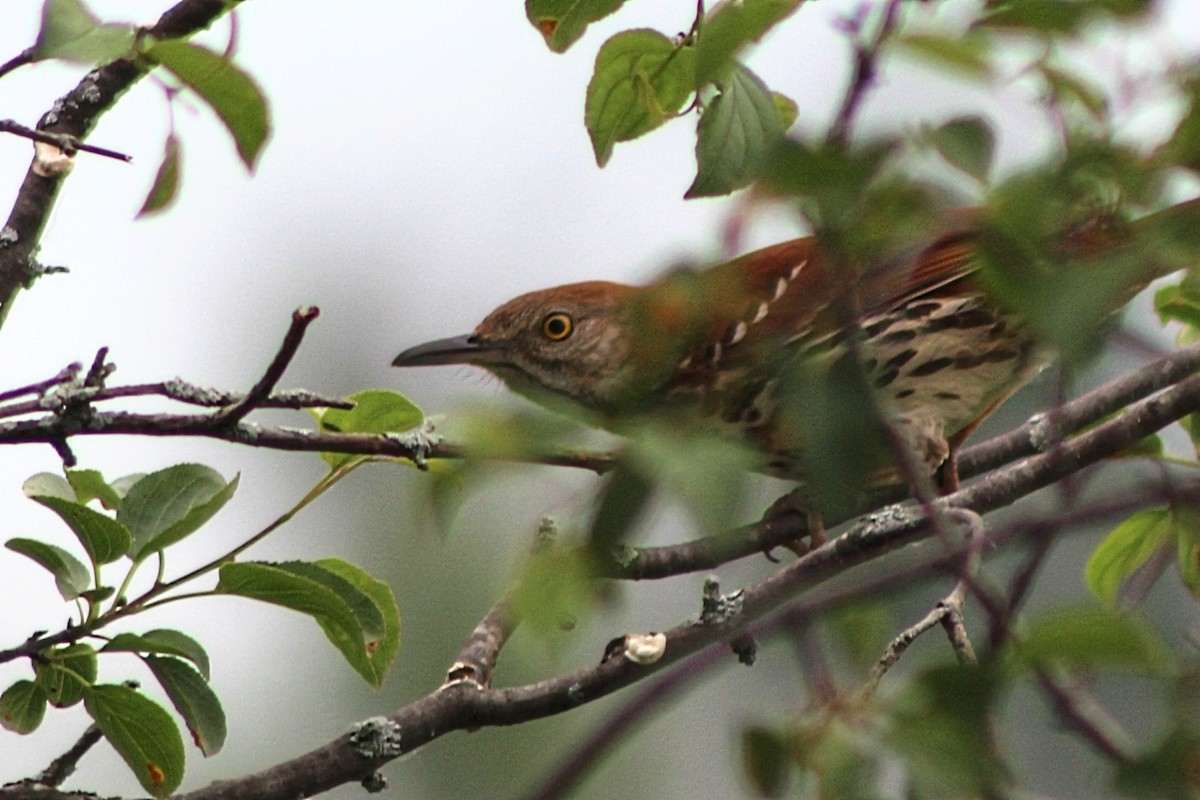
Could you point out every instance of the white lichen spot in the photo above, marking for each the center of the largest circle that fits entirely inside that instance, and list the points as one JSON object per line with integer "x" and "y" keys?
{"x": 51, "y": 162}
{"x": 376, "y": 737}
{"x": 645, "y": 648}
{"x": 90, "y": 93}
{"x": 1040, "y": 432}
{"x": 8, "y": 235}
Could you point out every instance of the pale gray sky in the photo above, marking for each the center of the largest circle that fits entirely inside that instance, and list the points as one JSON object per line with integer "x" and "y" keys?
{"x": 429, "y": 161}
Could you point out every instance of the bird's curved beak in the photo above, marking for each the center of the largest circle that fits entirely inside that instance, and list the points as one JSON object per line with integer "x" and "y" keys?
{"x": 466, "y": 349}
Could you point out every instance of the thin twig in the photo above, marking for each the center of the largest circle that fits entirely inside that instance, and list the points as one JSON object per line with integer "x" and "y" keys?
{"x": 301, "y": 319}
{"x": 65, "y": 375}
{"x": 63, "y": 141}
{"x": 62, "y": 767}
{"x": 866, "y": 54}
{"x": 1087, "y": 717}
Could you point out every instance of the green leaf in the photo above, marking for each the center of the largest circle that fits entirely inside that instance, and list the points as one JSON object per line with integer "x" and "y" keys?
{"x": 627, "y": 492}
{"x": 969, "y": 54}
{"x": 66, "y": 673}
{"x": 737, "y": 131}
{"x": 787, "y": 109}
{"x": 163, "y": 641}
{"x": 70, "y": 575}
{"x": 555, "y": 589}
{"x": 104, "y": 538}
{"x": 308, "y": 590}
{"x": 47, "y": 484}
{"x": 166, "y": 181}
{"x": 1057, "y": 16}
{"x": 381, "y": 650}
{"x": 766, "y": 756}
{"x": 641, "y": 80}
{"x": 562, "y": 22}
{"x": 1126, "y": 548}
{"x": 166, "y": 506}
{"x": 89, "y": 484}
{"x": 70, "y": 32}
{"x": 189, "y": 692}
{"x": 1065, "y": 86}
{"x": 231, "y": 93}
{"x": 375, "y": 411}
{"x": 732, "y": 26}
{"x": 142, "y": 732}
{"x": 941, "y": 722}
{"x": 1186, "y": 527}
{"x": 968, "y": 143}
{"x": 368, "y": 615}
{"x": 1178, "y": 302}
{"x": 22, "y": 707}
{"x": 1095, "y": 639}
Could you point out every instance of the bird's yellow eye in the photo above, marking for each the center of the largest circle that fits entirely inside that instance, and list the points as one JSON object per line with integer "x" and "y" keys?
{"x": 557, "y": 326}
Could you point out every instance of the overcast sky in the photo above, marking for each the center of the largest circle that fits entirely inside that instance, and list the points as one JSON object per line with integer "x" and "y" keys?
{"x": 429, "y": 161}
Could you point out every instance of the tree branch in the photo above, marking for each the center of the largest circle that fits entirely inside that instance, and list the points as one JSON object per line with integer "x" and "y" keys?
{"x": 466, "y": 705}
{"x": 74, "y": 115}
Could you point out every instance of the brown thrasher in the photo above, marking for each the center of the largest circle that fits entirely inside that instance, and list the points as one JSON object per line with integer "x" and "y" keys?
{"x": 719, "y": 343}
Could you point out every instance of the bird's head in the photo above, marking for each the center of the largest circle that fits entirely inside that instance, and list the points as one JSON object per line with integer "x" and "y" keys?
{"x": 568, "y": 342}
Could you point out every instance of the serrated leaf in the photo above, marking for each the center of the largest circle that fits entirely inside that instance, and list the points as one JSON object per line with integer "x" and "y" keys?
{"x": 104, "y": 538}
{"x": 142, "y": 732}
{"x": 123, "y": 484}
{"x": 732, "y": 26}
{"x": 640, "y": 80}
{"x": 66, "y": 672}
{"x": 968, "y": 143}
{"x": 70, "y": 32}
{"x": 166, "y": 506}
{"x": 70, "y": 575}
{"x": 1095, "y": 639}
{"x": 737, "y": 131}
{"x": 229, "y": 91}
{"x": 562, "y": 22}
{"x": 165, "y": 188}
{"x": 22, "y": 707}
{"x": 89, "y": 484}
{"x": 195, "y": 701}
{"x": 283, "y": 585}
{"x": 381, "y": 650}
{"x": 969, "y": 54}
{"x": 163, "y": 641}
{"x": 375, "y": 411}
{"x": 367, "y": 614}
{"x": 1126, "y": 548}
{"x": 47, "y": 484}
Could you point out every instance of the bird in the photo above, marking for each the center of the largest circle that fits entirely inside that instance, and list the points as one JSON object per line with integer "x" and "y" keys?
{"x": 736, "y": 345}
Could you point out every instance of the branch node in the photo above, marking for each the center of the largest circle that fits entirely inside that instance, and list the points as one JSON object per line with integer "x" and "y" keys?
{"x": 716, "y": 608}
{"x": 419, "y": 442}
{"x": 376, "y": 737}
{"x": 745, "y": 647}
{"x": 463, "y": 672}
{"x": 374, "y": 783}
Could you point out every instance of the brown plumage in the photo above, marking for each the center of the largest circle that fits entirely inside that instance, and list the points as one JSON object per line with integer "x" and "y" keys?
{"x": 940, "y": 353}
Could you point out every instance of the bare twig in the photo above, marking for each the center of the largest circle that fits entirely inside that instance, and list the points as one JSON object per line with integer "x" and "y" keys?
{"x": 63, "y": 141}
{"x": 1087, "y": 717}
{"x": 301, "y": 319}
{"x": 866, "y": 54}
{"x": 62, "y": 767}
{"x": 65, "y": 375}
